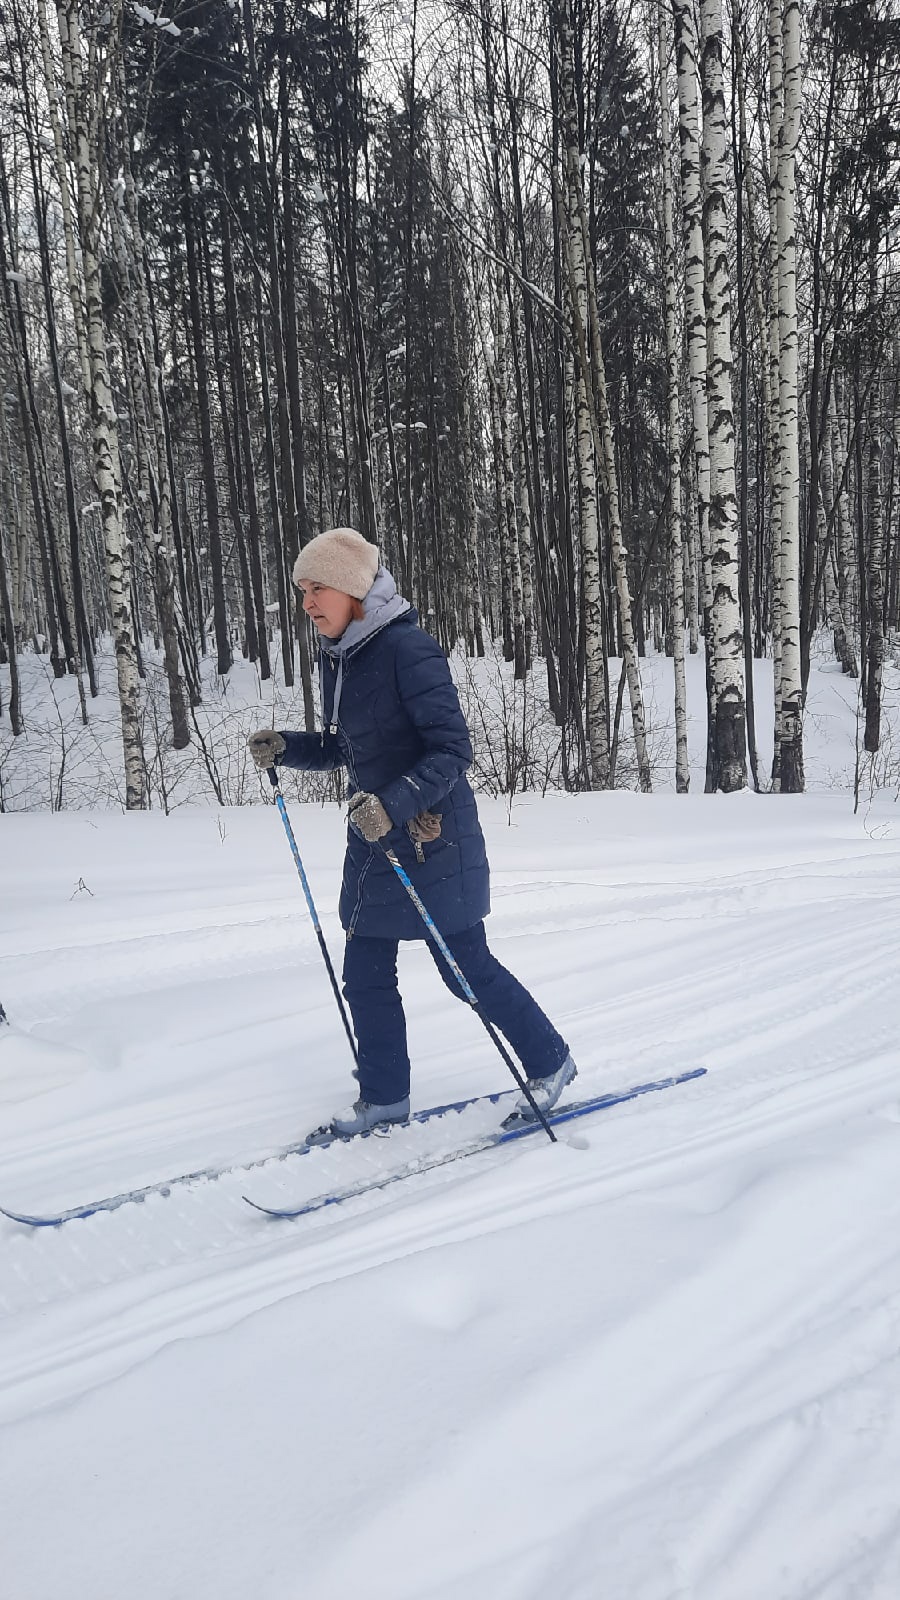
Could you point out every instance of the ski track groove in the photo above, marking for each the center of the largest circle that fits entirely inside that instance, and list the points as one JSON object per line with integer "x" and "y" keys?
{"x": 701, "y": 1008}
{"x": 137, "y": 963}
{"x": 166, "y": 1241}
{"x": 100, "y": 1293}
{"x": 187, "y": 1215}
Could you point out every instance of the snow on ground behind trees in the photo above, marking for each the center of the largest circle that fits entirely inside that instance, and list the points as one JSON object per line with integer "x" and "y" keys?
{"x": 59, "y": 764}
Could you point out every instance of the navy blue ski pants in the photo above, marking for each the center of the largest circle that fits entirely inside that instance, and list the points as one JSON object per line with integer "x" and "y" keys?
{"x": 373, "y": 995}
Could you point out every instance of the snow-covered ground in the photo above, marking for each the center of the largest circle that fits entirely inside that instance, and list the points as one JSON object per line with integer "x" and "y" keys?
{"x": 665, "y": 1365}
{"x": 662, "y": 1363}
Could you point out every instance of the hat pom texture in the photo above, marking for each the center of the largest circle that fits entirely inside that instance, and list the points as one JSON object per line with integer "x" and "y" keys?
{"x": 340, "y": 559}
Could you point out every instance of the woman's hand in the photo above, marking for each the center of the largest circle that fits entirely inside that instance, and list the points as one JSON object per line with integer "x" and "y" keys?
{"x": 425, "y": 828}
{"x": 368, "y": 816}
{"x": 265, "y": 747}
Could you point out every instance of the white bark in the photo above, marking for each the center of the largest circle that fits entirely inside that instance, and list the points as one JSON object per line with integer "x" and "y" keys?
{"x": 790, "y": 766}
{"x": 776, "y": 114}
{"x": 728, "y": 663}
{"x": 83, "y": 97}
{"x": 695, "y": 320}
{"x": 673, "y": 421}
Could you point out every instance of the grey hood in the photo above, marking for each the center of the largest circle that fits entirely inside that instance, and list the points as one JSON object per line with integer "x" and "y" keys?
{"x": 382, "y": 606}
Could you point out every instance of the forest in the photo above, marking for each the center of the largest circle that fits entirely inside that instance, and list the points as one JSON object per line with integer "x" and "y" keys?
{"x": 588, "y": 314}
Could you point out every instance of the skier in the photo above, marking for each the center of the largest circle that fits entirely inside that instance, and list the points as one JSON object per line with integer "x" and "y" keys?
{"x": 391, "y": 715}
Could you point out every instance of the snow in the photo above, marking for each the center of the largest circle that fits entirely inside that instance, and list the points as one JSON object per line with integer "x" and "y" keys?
{"x": 666, "y": 1364}
{"x": 30, "y": 1066}
{"x": 660, "y": 1361}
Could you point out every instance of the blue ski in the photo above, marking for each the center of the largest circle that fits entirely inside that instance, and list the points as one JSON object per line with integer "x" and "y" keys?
{"x": 209, "y": 1174}
{"x": 500, "y": 1136}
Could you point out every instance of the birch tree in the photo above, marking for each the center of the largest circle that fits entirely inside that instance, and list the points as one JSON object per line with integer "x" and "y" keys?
{"x": 790, "y": 729}
{"x": 83, "y": 86}
{"x": 728, "y": 663}
{"x": 695, "y": 327}
{"x": 673, "y": 417}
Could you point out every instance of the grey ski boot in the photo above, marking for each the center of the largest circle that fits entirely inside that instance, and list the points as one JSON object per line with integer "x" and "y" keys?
{"x": 545, "y": 1091}
{"x": 362, "y": 1117}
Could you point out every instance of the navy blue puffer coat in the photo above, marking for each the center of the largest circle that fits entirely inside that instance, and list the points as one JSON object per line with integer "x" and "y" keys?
{"x": 401, "y": 734}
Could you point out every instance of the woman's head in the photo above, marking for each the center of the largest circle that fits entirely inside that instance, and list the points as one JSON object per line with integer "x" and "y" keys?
{"x": 334, "y": 573}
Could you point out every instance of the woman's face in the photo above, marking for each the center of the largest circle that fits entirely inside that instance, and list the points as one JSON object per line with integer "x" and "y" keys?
{"x": 330, "y": 609}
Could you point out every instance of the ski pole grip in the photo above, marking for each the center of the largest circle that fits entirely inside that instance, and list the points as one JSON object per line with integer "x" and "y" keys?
{"x": 273, "y": 776}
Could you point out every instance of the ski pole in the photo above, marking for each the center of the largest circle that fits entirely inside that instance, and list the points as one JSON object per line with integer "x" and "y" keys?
{"x": 467, "y": 990}
{"x": 279, "y": 801}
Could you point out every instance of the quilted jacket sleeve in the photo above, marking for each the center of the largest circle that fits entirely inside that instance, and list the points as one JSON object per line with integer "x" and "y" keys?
{"x": 312, "y": 752}
{"x": 429, "y": 698}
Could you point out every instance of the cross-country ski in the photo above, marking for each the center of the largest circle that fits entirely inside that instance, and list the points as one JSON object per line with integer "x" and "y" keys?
{"x": 504, "y": 1134}
{"x": 507, "y": 1130}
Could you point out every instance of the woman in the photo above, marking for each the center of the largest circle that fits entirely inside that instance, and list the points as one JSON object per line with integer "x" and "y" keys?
{"x": 391, "y": 715}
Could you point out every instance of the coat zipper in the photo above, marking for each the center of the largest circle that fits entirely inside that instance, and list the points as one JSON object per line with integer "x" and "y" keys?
{"x": 359, "y": 894}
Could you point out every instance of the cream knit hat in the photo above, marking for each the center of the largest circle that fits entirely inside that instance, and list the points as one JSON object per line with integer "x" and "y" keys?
{"x": 340, "y": 559}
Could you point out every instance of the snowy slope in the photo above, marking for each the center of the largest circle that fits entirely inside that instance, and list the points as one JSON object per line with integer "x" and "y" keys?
{"x": 667, "y": 1365}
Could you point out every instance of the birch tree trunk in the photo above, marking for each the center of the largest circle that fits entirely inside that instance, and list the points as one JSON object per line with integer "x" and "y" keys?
{"x": 874, "y": 573}
{"x": 773, "y": 415}
{"x": 83, "y": 98}
{"x": 728, "y": 664}
{"x": 673, "y": 421}
{"x": 695, "y": 328}
{"x": 790, "y": 762}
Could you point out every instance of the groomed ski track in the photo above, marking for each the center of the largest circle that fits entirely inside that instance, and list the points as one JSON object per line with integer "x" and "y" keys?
{"x": 124, "y": 1282}
{"x": 120, "y": 1282}
{"x": 691, "y": 1326}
